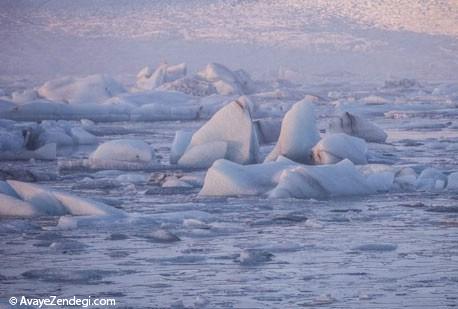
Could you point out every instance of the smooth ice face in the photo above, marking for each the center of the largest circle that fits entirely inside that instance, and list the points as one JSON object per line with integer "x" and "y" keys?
{"x": 43, "y": 201}
{"x": 357, "y": 126}
{"x": 203, "y": 156}
{"x": 226, "y": 178}
{"x": 298, "y": 134}
{"x": 179, "y": 145}
{"x": 124, "y": 150}
{"x": 90, "y": 89}
{"x": 336, "y": 147}
{"x": 13, "y": 207}
{"x": 232, "y": 125}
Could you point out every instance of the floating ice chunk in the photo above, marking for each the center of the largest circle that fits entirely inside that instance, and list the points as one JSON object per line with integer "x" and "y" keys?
{"x": 203, "y": 156}
{"x": 162, "y": 235}
{"x": 24, "y": 96}
{"x": 431, "y": 179}
{"x": 233, "y": 126}
{"x": 13, "y": 207}
{"x": 148, "y": 78}
{"x": 90, "y": 89}
{"x": 11, "y": 140}
{"x": 195, "y": 224}
{"x": 119, "y": 151}
{"x": 298, "y": 134}
{"x": 320, "y": 182}
{"x": 35, "y": 200}
{"x": 254, "y": 256}
{"x": 161, "y": 112}
{"x": 132, "y": 178}
{"x": 82, "y": 137}
{"x": 452, "y": 183}
{"x": 379, "y": 176}
{"x": 176, "y": 183}
{"x": 225, "y": 81}
{"x": 191, "y": 85}
{"x": 84, "y": 207}
{"x": 179, "y": 145}
{"x": 336, "y": 147}
{"x": 357, "y": 126}
{"x": 55, "y": 135}
{"x": 42, "y": 110}
{"x": 226, "y": 178}
{"x": 406, "y": 178}
{"x": 41, "y": 198}
{"x": 374, "y": 100}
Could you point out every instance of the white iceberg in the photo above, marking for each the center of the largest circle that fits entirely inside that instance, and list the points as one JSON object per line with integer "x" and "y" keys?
{"x": 320, "y": 182}
{"x": 231, "y": 125}
{"x": 336, "y": 147}
{"x": 89, "y": 89}
{"x": 33, "y": 200}
{"x": 148, "y": 78}
{"x": 118, "y": 153}
{"x": 225, "y": 81}
{"x": 357, "y": 126}
{"x": 298, "y": 134}
{"x": 226, "y": 178}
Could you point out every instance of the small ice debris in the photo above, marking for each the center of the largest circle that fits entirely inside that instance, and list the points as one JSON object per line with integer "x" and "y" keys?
{"x": 163, "y": 236}
{"x": 254, "y": 256}
{"x": 195, "y": 224}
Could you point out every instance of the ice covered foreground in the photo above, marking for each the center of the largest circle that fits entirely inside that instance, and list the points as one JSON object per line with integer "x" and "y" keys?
{"x": 20, "y": 199}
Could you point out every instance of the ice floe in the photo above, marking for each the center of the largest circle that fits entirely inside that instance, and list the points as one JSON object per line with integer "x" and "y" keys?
{"x": 149, "y": 78}
{"x": 32, "y": 200}
{"x": 336, "y": 147}
{"x": 89, "y": 89}
{"x": 357, "y": 126}
{"x": 118, "y": 153}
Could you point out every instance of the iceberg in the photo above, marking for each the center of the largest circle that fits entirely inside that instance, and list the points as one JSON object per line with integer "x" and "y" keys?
{"x": 336, "y": 147}
{"x": 298, "y": 134}
{"x": 231, "y": 128}
{"x": 357, "y": 126}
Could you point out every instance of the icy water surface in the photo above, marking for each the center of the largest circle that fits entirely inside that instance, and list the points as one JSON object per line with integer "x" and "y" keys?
{"x": 392, "y": 250}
